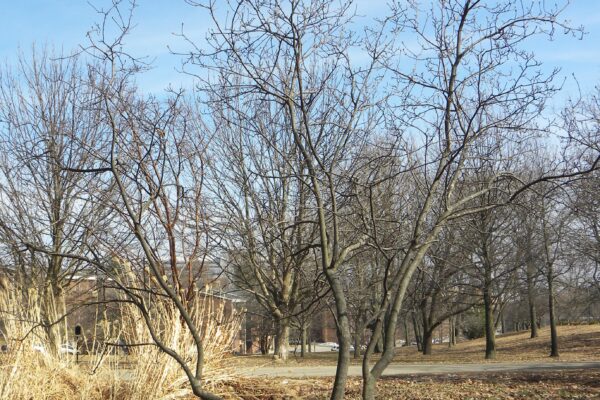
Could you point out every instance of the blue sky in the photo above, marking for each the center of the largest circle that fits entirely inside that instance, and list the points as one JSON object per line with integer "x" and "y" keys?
{"x": 62, "y": 24}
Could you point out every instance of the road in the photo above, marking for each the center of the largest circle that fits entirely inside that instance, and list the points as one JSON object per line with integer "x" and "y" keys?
{"x": 416, "y": 369}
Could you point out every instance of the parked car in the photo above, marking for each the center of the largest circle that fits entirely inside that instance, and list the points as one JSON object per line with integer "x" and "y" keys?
{"x": 124, "y": 348}
{"x": 39, "y": 348}
{"x": 67, "y": 348}
{"x": 337, "y": 348}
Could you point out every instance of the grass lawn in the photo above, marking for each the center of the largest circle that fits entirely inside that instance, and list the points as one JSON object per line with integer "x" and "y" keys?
{"x": 576, "y": 343}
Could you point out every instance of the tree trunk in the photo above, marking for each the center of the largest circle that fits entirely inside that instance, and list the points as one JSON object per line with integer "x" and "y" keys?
{"x": 282, "y": 340}
{"x": 551, "y": 310}
{"x": 427, "y": 345}
{"x": 356, "y": 344}
{"x": 369, "y": 389}
{"x": 417, "y": 334}
{"x": 52, "y": 310}
{"x": 455, "y": 328}
{"x": 427, "y": 335}
{"x": 276, "y": 344}
{"x": 531, "y": 300}
{"x": 490, "y": 334}
{"x": 454, "y": 334}
{"x": 343, "y": 335}
{"x": 379, "y": 345}
{"x": 450, "y": 332}
{"x": 264, "y": 344}
{"x": 303, "y": 341}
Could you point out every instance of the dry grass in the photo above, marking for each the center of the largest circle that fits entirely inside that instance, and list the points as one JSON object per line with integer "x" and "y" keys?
{"x": 156, "y": 375}
{"x": 26, "y": 374}
{"x": 576, "y": 343}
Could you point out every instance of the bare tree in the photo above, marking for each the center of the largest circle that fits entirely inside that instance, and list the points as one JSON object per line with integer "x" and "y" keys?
{"x": 528, "y": 249}
{"x": 442, "y": 288}
{"x": 457, "y": 95}
{"x": 493, "y": 259}
{"x": 47, "y": 129}
{"x": 554, "y": 218}
{"x": 156, "y": 162}
{"x": 582, "y": 131}
{"x": 584, "y": 231}
{"x": 264, "y": 211}
{"x": 149, "y": 165}
{"x": 293, "y": 58}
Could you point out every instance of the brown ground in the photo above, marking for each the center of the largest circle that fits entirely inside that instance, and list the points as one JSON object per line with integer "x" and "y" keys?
{"x": 576, "y": 343}
{"x": 551, "y": 385}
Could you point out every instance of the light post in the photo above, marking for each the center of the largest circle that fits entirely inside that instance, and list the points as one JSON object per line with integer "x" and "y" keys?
{"x": 77, "y": 336}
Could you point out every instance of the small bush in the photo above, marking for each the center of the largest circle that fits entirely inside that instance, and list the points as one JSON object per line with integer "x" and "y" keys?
{"x": 473, "y": 326}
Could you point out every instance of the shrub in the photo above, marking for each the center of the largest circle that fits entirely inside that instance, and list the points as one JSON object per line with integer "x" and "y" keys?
{"x": 473, "y": 326}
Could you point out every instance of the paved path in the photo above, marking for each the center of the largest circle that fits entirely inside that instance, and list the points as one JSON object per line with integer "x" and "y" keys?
{"x": 415, "y": 369}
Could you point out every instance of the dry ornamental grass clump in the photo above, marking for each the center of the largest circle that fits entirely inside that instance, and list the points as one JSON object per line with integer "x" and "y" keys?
{"x": 154, "y": 373}
{"x": 28, "y": 371}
